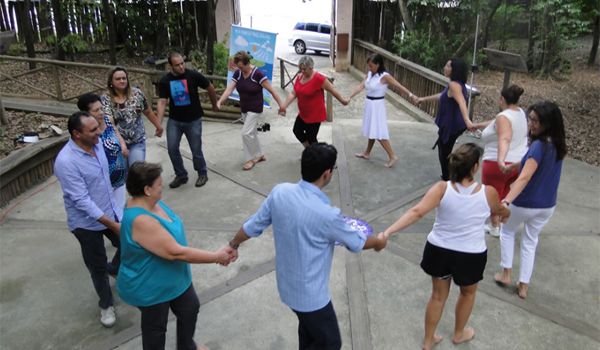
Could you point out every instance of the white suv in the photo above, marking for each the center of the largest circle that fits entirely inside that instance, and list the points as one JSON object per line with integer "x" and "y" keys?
{"x": 310, "y": 36}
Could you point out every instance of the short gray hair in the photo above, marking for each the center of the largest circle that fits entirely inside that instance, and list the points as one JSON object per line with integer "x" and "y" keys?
{"x": 306, "y": 61}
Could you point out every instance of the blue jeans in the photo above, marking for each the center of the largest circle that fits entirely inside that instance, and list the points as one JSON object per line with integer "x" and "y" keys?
{"x": 193, "y": 133}
{"x": 137, "y": 153}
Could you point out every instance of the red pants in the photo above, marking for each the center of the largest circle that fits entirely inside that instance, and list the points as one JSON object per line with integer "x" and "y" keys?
{"x": 491, "y": 175}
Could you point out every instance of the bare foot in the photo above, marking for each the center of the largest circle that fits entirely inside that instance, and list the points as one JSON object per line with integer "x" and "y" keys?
{"x": 436, "y": 340}
{"x": 248, "y": 165}
{"x": 201, "y": 347}
{"x": 522, "y": 290}
{"x": 466, "y": 335}
{"x": 501, "y": 280}
{"x": 391, "y": 162}
{"x": 260, "y": 159}
{"x": 361, "y": 155}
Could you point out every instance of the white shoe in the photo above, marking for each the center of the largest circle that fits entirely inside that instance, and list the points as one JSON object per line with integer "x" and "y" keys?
{"x": 108, "y": 317}
{"x": 492, "y": 230}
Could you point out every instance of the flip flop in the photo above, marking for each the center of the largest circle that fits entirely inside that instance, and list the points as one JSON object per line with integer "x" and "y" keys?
{"x": 361, "y": 155}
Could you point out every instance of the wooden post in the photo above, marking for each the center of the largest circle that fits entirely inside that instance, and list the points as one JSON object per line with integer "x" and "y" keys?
{"x": 59, "y": 95}
{"x": 282, "y": 73}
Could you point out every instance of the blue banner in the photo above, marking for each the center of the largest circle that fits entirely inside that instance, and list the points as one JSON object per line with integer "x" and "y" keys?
{"x": 261, "y": 47}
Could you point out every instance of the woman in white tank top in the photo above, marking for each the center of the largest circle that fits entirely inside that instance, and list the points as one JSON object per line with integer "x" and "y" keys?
{"x": 505, "y": 139}
{"x": 455, "y": 248}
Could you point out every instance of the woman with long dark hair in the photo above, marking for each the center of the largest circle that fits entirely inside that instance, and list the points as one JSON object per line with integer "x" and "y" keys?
{"x": 375, "y": 119}
{"x": 453, "y": 115}
{"x": 125, "y": 105}
{"x": 532, "y": 197}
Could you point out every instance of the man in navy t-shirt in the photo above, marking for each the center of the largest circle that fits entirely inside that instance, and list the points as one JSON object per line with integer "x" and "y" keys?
{"x": 180, "y": 87}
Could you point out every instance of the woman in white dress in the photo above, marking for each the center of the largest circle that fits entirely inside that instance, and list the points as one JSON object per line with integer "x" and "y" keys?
{"x": 375, "y": 119}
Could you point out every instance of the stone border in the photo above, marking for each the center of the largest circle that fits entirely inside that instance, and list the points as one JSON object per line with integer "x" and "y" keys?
{"x": 28, "y": 166}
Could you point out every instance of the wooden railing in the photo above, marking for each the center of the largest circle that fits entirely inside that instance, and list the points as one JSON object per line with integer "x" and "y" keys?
{"x": 145, "y": 79}
{"x": 285, "y": 79}
{"x": 27, "y": 167}
{"x": 419, "y": 80}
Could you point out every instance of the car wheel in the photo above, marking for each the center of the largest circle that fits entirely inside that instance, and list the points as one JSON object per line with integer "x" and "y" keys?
{"x": 300, "y": 47}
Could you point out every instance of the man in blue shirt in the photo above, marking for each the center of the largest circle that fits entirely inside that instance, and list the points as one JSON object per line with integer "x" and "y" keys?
{"x": 306, "y": 228}
{"x": 82, "y": 170}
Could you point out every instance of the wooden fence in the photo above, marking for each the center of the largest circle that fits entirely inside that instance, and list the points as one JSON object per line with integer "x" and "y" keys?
{"x": 419, "y": 80}
{"x": 27, "y": 167}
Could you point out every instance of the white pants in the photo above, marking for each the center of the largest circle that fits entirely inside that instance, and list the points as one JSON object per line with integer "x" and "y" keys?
{"x": 250, "y": 136}
{"x": 533, "y": 220}
{"x": 119, "y": 194}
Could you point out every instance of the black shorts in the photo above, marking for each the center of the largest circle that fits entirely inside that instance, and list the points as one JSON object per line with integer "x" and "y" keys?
{"x": 464, "y": 268}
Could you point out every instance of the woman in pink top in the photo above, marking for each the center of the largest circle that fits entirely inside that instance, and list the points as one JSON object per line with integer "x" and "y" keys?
{"x": 309, "y": 90}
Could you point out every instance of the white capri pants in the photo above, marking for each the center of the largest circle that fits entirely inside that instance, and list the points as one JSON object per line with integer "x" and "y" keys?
{"x": 250, "y": 141}
{"x": 533, "y": 220}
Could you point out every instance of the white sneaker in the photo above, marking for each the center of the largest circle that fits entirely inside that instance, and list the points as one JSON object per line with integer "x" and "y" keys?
{"x": 492, "y": 230}
{"x": 108, "y": 317}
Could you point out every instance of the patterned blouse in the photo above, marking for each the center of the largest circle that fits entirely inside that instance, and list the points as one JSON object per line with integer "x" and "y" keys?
{"x": 128, "y": 115}
{"x": 117, "y": 166}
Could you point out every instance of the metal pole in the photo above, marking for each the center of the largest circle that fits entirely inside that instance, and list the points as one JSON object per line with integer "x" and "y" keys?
{"x": 473, "y": 68}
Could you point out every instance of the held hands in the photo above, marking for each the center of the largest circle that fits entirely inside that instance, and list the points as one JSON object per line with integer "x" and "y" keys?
{"x": 158, "y": 133}
{"x": 225, "y": 255}
{"x": 281, "y": 111}
{"x": 382, "y": 240}
{"x": 219, "y": 104}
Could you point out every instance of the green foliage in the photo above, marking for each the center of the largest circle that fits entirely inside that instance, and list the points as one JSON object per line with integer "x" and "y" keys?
{"x": 72, "y": 44}
{"x": 431, "y": 51}
{"x": 221, "y": 58}
{"x": 15, "y": 49}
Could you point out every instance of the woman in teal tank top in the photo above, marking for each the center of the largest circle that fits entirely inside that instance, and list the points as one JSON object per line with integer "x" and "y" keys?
{"x": 155, "y": 274}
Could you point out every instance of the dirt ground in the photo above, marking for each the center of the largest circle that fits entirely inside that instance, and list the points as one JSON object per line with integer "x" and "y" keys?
{"x": 578, "y": 95}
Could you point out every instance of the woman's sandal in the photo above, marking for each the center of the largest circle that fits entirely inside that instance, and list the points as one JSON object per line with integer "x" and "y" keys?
{"x": 250, "y": 164}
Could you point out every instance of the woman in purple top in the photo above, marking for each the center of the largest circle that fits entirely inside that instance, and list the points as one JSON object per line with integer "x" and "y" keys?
{"x": 453, "y": 116}
{"x": 532, "y": 197}
{"x": 249, "y": 82}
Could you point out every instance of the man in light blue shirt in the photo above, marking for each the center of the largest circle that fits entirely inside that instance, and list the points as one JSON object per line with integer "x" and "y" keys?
{"x": 82, "y": 170}
{"x": 306, "y": 228}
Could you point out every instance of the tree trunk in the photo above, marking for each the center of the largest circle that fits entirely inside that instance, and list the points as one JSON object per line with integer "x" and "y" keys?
{"x": 594, "y": 50}
{"x": 469, "y": 39}
{"x": 108, "y": 18}
{"x": 34, "y": 21}
{"x": 406, "y": 18}
{"x": 25, "y": 30}
{"x": 5, "y": 23}
{"x": 61, "y": 25}
{"x": 210, "y": 40}
{"x": 530, "y": 36}
{"x": 162, "y": 35}
{"x": 44, "y": 20}
{"x": 3, "y": 117}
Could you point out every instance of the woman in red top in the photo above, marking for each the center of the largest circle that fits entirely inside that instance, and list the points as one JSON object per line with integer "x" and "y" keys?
{"x": 309, "y": 90}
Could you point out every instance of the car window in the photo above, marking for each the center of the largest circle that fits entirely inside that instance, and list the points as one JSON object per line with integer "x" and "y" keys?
{"x": 312, "y": 27}
{"x": 325, "y": 29}
{"x": 299, "y": 26}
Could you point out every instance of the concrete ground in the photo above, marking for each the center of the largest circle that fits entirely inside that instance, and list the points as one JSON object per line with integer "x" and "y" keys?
{"x": 47, "y": 300}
